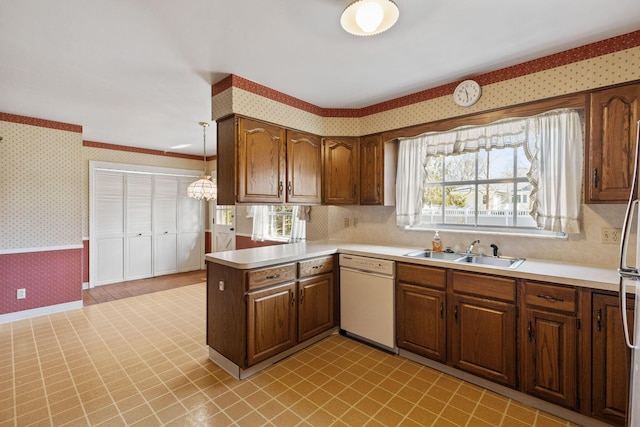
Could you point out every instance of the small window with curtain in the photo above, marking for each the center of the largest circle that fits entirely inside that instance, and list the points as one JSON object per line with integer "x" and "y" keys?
{"x": 514, "y": 175}
{"x": 278, "y": 223}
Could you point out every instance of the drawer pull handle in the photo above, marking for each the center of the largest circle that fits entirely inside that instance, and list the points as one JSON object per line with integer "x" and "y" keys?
{"x": 550, "y": 298}
{"x": 301, "y": 296}
{"x": 317, "y": 266}
{"x": 293, "y": 298}
{"x": 273, "y": 276}
{"x": 289, "y": 188}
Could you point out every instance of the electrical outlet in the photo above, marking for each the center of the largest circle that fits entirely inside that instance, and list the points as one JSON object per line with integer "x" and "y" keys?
{"x": 346, "y": 222}
{"x": 610, "y": 235}
{"x": 21, "y": 293}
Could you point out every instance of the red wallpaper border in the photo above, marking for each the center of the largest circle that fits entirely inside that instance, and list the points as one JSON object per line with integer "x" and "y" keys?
{"x": 592, "y": 50}
{"x": 32, "y": 121}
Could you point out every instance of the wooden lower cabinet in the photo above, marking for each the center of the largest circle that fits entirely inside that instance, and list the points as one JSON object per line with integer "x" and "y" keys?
{"x": 550, "y": 358}
{"x": 271, "y": 322}
{"x": 253, "y": 315}
{"x": 550, "y": 328}
{"x": 483, "y": 338}
{"x": 421, "y": 310}
{"x": 421, "y": 321}
{"x": 315, "y": 305}
{"x": 610, "y": 360}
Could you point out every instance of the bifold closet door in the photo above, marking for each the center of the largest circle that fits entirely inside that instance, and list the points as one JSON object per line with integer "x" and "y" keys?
{"x": 138, "y": 249}
{"x": 190, "y": 236}
{"x": 165, "y": 222}
{"x": 109, "y": 214}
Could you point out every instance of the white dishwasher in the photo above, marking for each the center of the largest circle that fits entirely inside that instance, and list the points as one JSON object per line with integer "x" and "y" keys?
{"x": 367, "y": 300}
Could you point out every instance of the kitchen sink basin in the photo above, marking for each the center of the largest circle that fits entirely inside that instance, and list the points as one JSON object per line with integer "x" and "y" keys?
{"x": 447, "y": 256}
{"x": 505, "y": 262}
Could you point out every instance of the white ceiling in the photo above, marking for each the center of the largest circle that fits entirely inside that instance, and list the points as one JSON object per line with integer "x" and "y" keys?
{"x": 139, "y": 72}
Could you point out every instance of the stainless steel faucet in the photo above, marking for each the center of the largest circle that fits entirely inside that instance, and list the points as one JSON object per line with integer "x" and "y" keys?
{"x": 470, "y": 247}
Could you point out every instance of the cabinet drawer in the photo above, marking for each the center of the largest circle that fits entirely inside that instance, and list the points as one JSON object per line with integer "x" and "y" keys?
{"x": 315, "y": 266}
{"x": 550, "y": 296}
{"x": 487, "y": 286}
{"x": 271, "y": 276}
{"x": 418, "y": 274}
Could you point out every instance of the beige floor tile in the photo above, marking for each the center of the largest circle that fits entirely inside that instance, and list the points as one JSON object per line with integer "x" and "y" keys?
{"x": 142, "y": 361}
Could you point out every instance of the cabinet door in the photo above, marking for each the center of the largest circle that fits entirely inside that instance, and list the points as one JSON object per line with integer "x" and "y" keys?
{"x": 109, "y": 228}
{"x": 271, "y": 322}
{"x": 315, "y": 306}
{"x": 371, "y": 170}
{"x": 340, "y": 171}
{"x": 611, "y": 360}
{"x": 420, "y": 321}
{"x": 550, "y": 357}
{"x": 304, "y": 168}
{"x": 483, "y": 338}
{"x": 613, "y": 120}
{"x": 261, "y": 162}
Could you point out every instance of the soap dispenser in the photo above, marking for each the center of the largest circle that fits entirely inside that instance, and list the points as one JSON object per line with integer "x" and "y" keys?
{"x": 436, "y": 243}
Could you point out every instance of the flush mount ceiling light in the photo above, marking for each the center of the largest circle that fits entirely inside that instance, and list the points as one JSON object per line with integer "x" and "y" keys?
{"x": 369, "y": 17}
{"x": 203, "y": 188}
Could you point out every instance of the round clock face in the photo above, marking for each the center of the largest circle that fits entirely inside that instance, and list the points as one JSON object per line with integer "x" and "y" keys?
{"x": 467, "y": 93}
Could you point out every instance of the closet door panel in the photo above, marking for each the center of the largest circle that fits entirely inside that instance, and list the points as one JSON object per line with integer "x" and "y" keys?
{"x": 109, "y": 227}
{"x": 165, "y": 217}
{"x": 139, "y": 226}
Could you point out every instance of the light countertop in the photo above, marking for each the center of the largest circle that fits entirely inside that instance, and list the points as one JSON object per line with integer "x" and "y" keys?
{"x": 533, "y": 269}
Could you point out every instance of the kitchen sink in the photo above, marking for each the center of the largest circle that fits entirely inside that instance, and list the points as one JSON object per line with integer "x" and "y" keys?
{"x": 501, "y": 261}
{"x": 447, "y": 256}
{"x": 505, "y": 262}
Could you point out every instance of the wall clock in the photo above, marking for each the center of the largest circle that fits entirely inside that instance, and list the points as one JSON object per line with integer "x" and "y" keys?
{"x": 467, "y": 93}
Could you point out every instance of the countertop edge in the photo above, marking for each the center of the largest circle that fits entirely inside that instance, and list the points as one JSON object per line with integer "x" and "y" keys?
{"x": 598, "y": 278}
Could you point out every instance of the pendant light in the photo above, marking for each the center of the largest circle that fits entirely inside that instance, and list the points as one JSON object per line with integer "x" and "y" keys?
{"x": 203, "y": 188}
{"x": 369, "y": 17}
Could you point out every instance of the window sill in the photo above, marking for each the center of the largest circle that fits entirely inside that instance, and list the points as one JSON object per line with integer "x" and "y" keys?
{"x": 511, "y": 232}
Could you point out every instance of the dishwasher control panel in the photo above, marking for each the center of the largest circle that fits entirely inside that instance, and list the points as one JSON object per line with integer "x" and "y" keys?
{"x": 373, "y": 265}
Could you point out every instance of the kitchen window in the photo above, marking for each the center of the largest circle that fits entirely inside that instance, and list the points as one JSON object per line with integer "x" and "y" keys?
{"x": 277, "y": 222}
{"x": 516, "y": 175}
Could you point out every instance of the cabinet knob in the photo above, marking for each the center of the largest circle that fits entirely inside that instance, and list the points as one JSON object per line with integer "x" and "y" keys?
{"x": 599, "y": 319}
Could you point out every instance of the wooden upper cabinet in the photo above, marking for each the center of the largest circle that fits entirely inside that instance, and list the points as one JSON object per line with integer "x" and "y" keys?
{"x": 304, "y": 168}
{"x": 371, "y": 170}
{"x": 340, "y": 171}
{"x": 613, "y": 117}
{"x": 261, "y": 162}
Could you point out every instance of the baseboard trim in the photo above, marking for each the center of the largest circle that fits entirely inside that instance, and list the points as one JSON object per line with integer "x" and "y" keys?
{"x": 40, "y": 311}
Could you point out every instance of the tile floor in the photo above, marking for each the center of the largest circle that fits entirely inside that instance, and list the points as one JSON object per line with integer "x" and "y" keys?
{"x": 142, "y": 361}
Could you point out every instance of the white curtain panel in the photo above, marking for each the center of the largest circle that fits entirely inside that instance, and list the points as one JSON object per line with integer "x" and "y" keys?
{"x": 299, "y": 225}
{"x": 260, "y": 215}
{"x": 410, "y": 181}
{"x": 555, "y": 148}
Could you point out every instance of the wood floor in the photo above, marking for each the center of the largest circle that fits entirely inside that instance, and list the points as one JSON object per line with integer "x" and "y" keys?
{"x": 133, "y": 288}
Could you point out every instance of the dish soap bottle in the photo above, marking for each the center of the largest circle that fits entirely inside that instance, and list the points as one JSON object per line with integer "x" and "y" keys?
{"x": 436, "y": 243}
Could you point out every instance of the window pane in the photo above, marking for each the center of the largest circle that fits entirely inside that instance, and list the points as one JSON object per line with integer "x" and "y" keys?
{"x": 500, "y": 163}
{"x": 496, "y": 208}
{"x": 459, "y": 204}
{"x": 524, "y": 218}
{"x": 461, "y": 167}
